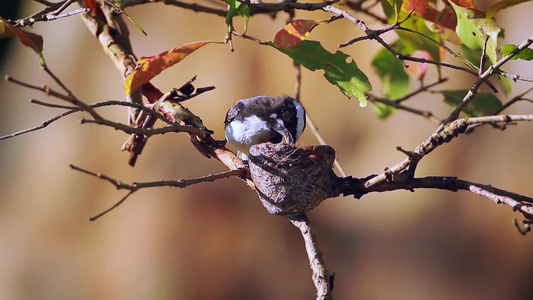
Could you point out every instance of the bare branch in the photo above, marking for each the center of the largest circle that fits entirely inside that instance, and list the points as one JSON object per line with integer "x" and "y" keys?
{"x": 147, "y": 131}
{"x": 40, "y": 126}
{"x": 513, "y": 77}
{"x": 192, "y": 6}
{"x": 521, "y": 203}
{"x": 135, "y": 186}
{"x": 322, "y": 279}
{"x": 49, "y": 13}
{"x": 181, "y": 183}
{"x": 69, "y": 97}
{"x": 449, "y": 132}
{"x": 515, "y": 99}
{"x": 73, "y": 109}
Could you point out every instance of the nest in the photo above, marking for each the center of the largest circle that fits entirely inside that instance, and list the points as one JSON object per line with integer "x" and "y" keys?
{"x": 291, "y": 180}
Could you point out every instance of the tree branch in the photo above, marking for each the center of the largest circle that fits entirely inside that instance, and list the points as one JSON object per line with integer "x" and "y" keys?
{"x": 521, "y": 203}
{"x": 482, "y": 78}
{"x": 449, "y": 131}
{"x": 322, "y": 279}
{"x": 135, "y": 186}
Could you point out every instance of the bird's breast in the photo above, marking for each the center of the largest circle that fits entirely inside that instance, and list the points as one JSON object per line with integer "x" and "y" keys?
{"x": 241, "y": 134}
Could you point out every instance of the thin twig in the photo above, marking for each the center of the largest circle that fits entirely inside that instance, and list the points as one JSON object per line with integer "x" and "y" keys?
{"x": 147, "y": 131}
{"x": 135, "y": 186}
{"x": 40, "y": 126}
{"x": 192, "y": 6}
{"x": 112, "y": 207}
{"x": 421, "y": 89}
{"x": 515, "y": 99}
{"x": 513, "y": 77}
{"x": 50, "y": 92}
{"x": 393, "y": 103}
{"x": 72, "y": 109}
{"x": 483, "y": 58}
{"x": 49, "y": 13}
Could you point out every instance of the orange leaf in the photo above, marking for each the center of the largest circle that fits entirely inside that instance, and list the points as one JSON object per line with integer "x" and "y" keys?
{"x": 29, "y": 39}
{"x": 295, "y": 32}
{"x": 149, "y": 67}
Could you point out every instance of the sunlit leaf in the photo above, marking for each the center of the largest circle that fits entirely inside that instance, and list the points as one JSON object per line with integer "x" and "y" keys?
{"x": 29, "y": 39}
{"x": 483, "y": 104}
{"x": 394, "y": 79}
{"x": 295, "y": 32}
{"x": 149, "y": 67}
{"x": 472, "y": 27}
{"x": 346, "y": 75}
{"x": 525, "y": 54}
{"x": 428, "y": 11}
{"x": 236, "y": 8}
{"x": 501, "y": 5}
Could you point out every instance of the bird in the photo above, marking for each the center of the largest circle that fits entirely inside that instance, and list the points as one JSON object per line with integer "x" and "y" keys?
{"x": 263, "y": 119}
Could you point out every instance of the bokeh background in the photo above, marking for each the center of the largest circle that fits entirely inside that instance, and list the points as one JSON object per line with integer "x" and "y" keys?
{"x": 215, "y": 240}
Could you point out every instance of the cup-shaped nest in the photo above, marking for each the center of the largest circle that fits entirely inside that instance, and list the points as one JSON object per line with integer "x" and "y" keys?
{"x": 292, "y": 179}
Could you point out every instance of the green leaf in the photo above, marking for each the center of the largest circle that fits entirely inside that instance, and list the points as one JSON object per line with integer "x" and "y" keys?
{"x": 395, "y": 8}
{"x": 394, "y": 79}
{"x": 525, "y": 54}
{"x": 383, "y": 110}
{"x": 346, "y": 75}
{"x": 483, "y": 104}
{"x": 501, "y": 5}
{"x": 472, "y": 27}
{"x": 412, "y": 41}
{"x": 236, "y": 8}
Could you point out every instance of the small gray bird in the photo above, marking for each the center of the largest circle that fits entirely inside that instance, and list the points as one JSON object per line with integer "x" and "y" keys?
{"x": 263, "y": 119}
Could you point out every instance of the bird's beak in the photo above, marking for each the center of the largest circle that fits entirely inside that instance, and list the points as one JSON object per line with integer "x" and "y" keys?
{"x": 281, "y": 129}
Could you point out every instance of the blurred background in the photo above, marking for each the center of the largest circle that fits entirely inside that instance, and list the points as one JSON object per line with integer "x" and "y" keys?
{"x": 215, "y": 240}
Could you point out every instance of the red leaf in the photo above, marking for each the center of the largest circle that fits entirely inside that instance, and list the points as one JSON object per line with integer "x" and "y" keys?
{"x": 29, "y": 39}
{"x": 149, "y": 67}
{"x": 426, "y": 9}
{"x": 465, "y": 3}
{"x": 295, "y": 32}
{"x": 91, "y": 4}
{"x": 95, "y": 8}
